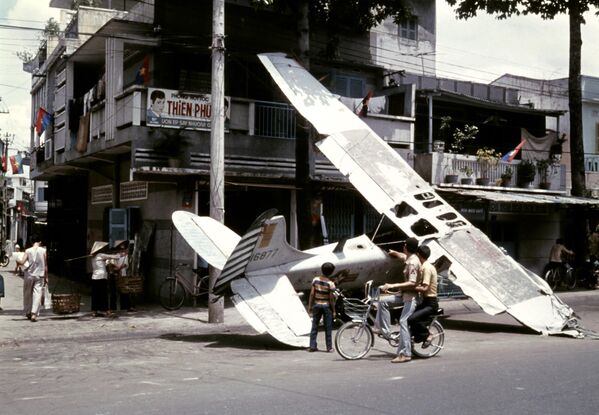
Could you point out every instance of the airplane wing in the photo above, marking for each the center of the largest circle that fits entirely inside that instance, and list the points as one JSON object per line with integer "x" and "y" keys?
{"x": 494, "y": 280}
{"x": 209, "y": 238}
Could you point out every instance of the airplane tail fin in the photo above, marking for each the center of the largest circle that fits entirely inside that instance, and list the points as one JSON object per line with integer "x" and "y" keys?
{"x": 263, "y": 246}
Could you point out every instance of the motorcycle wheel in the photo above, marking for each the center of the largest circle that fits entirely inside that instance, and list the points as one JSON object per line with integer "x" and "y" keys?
{"x": 4, "y": 260}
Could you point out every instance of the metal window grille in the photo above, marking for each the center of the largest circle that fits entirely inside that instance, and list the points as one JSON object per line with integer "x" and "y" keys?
{"x": 101, "y": 194}
{"x": 134, "y": 191}
{"x": 274, "y": 120}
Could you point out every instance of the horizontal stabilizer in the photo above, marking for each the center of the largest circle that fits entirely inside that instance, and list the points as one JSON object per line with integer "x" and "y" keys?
{"x": 210, "y": 239}
{"x": 269, "y": 302}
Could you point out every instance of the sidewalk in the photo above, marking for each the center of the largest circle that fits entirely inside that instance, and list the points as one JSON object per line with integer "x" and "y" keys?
{"x": 151, "y": 320}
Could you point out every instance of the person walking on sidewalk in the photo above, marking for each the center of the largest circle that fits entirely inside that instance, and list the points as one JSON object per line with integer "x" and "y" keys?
{"x": 35, "y": 264}
{"x": 100, "y": 278}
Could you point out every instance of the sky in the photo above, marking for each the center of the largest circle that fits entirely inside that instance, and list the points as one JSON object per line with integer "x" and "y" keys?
{"x": 480, "y": 49}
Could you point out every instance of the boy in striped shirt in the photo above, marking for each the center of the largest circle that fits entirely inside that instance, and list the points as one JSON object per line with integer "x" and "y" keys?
{"x": 322, "y": 304}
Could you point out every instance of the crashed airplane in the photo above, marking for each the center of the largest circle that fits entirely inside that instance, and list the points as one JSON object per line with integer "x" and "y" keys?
{"x": 262, "y": 270}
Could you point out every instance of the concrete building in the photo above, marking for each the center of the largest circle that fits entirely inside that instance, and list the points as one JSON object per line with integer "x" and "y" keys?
{"x": 114, "y": 168}
{"x": 129, "y": 89}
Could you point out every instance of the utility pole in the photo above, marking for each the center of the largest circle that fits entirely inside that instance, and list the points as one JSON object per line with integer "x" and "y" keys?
{"x": 217, "y": 143}
{"x": 4, "y": 143}
{"x": 3, "y": 201}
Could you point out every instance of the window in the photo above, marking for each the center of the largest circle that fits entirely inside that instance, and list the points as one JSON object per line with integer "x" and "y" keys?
{"x": 597, "y": 138}
{"x": 101, "y": 194}
{"x": 349, "y": 86}
{"x": 134, "y": 191}
{"x": 408, "y": 28}
{"x": 41, "y": 194}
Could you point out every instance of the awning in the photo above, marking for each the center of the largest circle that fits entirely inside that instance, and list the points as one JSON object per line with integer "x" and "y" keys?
{"x": 513, "y": 197}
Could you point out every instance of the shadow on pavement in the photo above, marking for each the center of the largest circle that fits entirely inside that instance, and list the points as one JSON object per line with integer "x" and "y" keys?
{"x": 238, "y": 341}
{"x": 486, "y": 327}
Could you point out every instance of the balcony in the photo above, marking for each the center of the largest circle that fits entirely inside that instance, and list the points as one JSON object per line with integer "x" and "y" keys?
{"x": 591, "y": 170}
{"x": 434, "y": 167}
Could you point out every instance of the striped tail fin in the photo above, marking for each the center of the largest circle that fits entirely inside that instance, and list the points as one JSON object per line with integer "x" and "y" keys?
{"x": 241, "y": 255}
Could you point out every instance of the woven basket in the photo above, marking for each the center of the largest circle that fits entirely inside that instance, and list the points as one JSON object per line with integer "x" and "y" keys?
{"x": 65, "y": 303}
{"x": 130, "y": 284}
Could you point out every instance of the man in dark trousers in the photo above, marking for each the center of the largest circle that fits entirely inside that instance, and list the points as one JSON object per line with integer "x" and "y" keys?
{"x": 427, "y": 287}
{"x": 322, "y": 304}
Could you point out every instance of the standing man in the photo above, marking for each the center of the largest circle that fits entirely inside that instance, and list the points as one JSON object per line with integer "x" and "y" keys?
{"x": 36, "y": 277}
{"x": 409, "y": 297}
{"x": 322, "y": 304}
{"x": 427, "y": 287}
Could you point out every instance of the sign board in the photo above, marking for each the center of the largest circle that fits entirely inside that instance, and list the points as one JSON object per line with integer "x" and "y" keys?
{"x": 176, "y": 109}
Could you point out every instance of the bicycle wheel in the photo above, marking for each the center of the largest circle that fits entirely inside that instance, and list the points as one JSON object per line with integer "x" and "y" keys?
{"x": 201, "y": 290}
{"x": 436, "y": 344}
{"x": 353, "y": 340}
{"x": 172, "y": 294}
{"x": 570, "y": 279}
{"x": 552, "y": 278}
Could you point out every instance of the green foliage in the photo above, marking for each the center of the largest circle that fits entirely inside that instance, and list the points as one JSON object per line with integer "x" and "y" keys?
{"x": 543, "y": 169}
{"x": 90, "y": 3}
{"x": 52, "y": 28}
{"x": 355, "y": 16}
{"x": 25, "y": 55}
{"x": 547, "y": 9}
{"x": 467, "y": 171}
{"x": 508, "y": 173}
{"x": 461, "y": 137}
{"x": 526, "y": 171}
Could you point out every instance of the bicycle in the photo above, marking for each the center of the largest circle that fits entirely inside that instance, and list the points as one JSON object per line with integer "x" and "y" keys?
{"x": 175, "y": 289}
{"x": 561, "y": 274}
{"x": 355, "y": 338}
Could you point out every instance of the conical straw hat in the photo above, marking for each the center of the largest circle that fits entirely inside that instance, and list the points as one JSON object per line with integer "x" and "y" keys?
{"x": 97, "y": 246}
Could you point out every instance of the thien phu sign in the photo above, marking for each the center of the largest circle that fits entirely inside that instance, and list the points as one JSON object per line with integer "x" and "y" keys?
{"x": 176, "y": 109}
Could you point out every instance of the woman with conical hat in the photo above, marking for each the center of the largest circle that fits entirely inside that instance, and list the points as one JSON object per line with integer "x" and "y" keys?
{"x": 100, "y": 278}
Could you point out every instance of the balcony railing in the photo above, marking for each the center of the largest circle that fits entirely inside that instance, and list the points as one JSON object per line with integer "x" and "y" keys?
{"x": 274, "y": 120}
{"x": 436, "y": 166}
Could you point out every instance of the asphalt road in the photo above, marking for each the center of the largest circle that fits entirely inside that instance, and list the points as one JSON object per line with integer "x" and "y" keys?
{"x": 490, "y": 365}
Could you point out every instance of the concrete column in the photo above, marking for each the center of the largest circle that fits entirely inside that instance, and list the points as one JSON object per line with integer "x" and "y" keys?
{"x": 114, "y": 83}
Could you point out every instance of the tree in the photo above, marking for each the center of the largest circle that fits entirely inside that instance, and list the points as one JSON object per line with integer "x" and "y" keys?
{"x": 548, "y": 9}
{"x": 338, "y": 16}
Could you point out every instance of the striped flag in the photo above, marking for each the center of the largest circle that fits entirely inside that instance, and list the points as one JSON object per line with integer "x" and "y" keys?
{"x": 43, "y": 120}
{"x": 14, "y": 165}
{"x": 509, "y": 156}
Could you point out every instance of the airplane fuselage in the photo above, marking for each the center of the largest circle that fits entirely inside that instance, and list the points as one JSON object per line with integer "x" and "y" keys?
{"x": 356, "y": 262}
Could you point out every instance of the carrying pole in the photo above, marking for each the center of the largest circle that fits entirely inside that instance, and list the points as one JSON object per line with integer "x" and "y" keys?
{"x": 217, "y": 143}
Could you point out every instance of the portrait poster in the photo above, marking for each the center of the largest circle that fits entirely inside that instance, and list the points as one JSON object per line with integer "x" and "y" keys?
{"x": 176, "y": 109}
